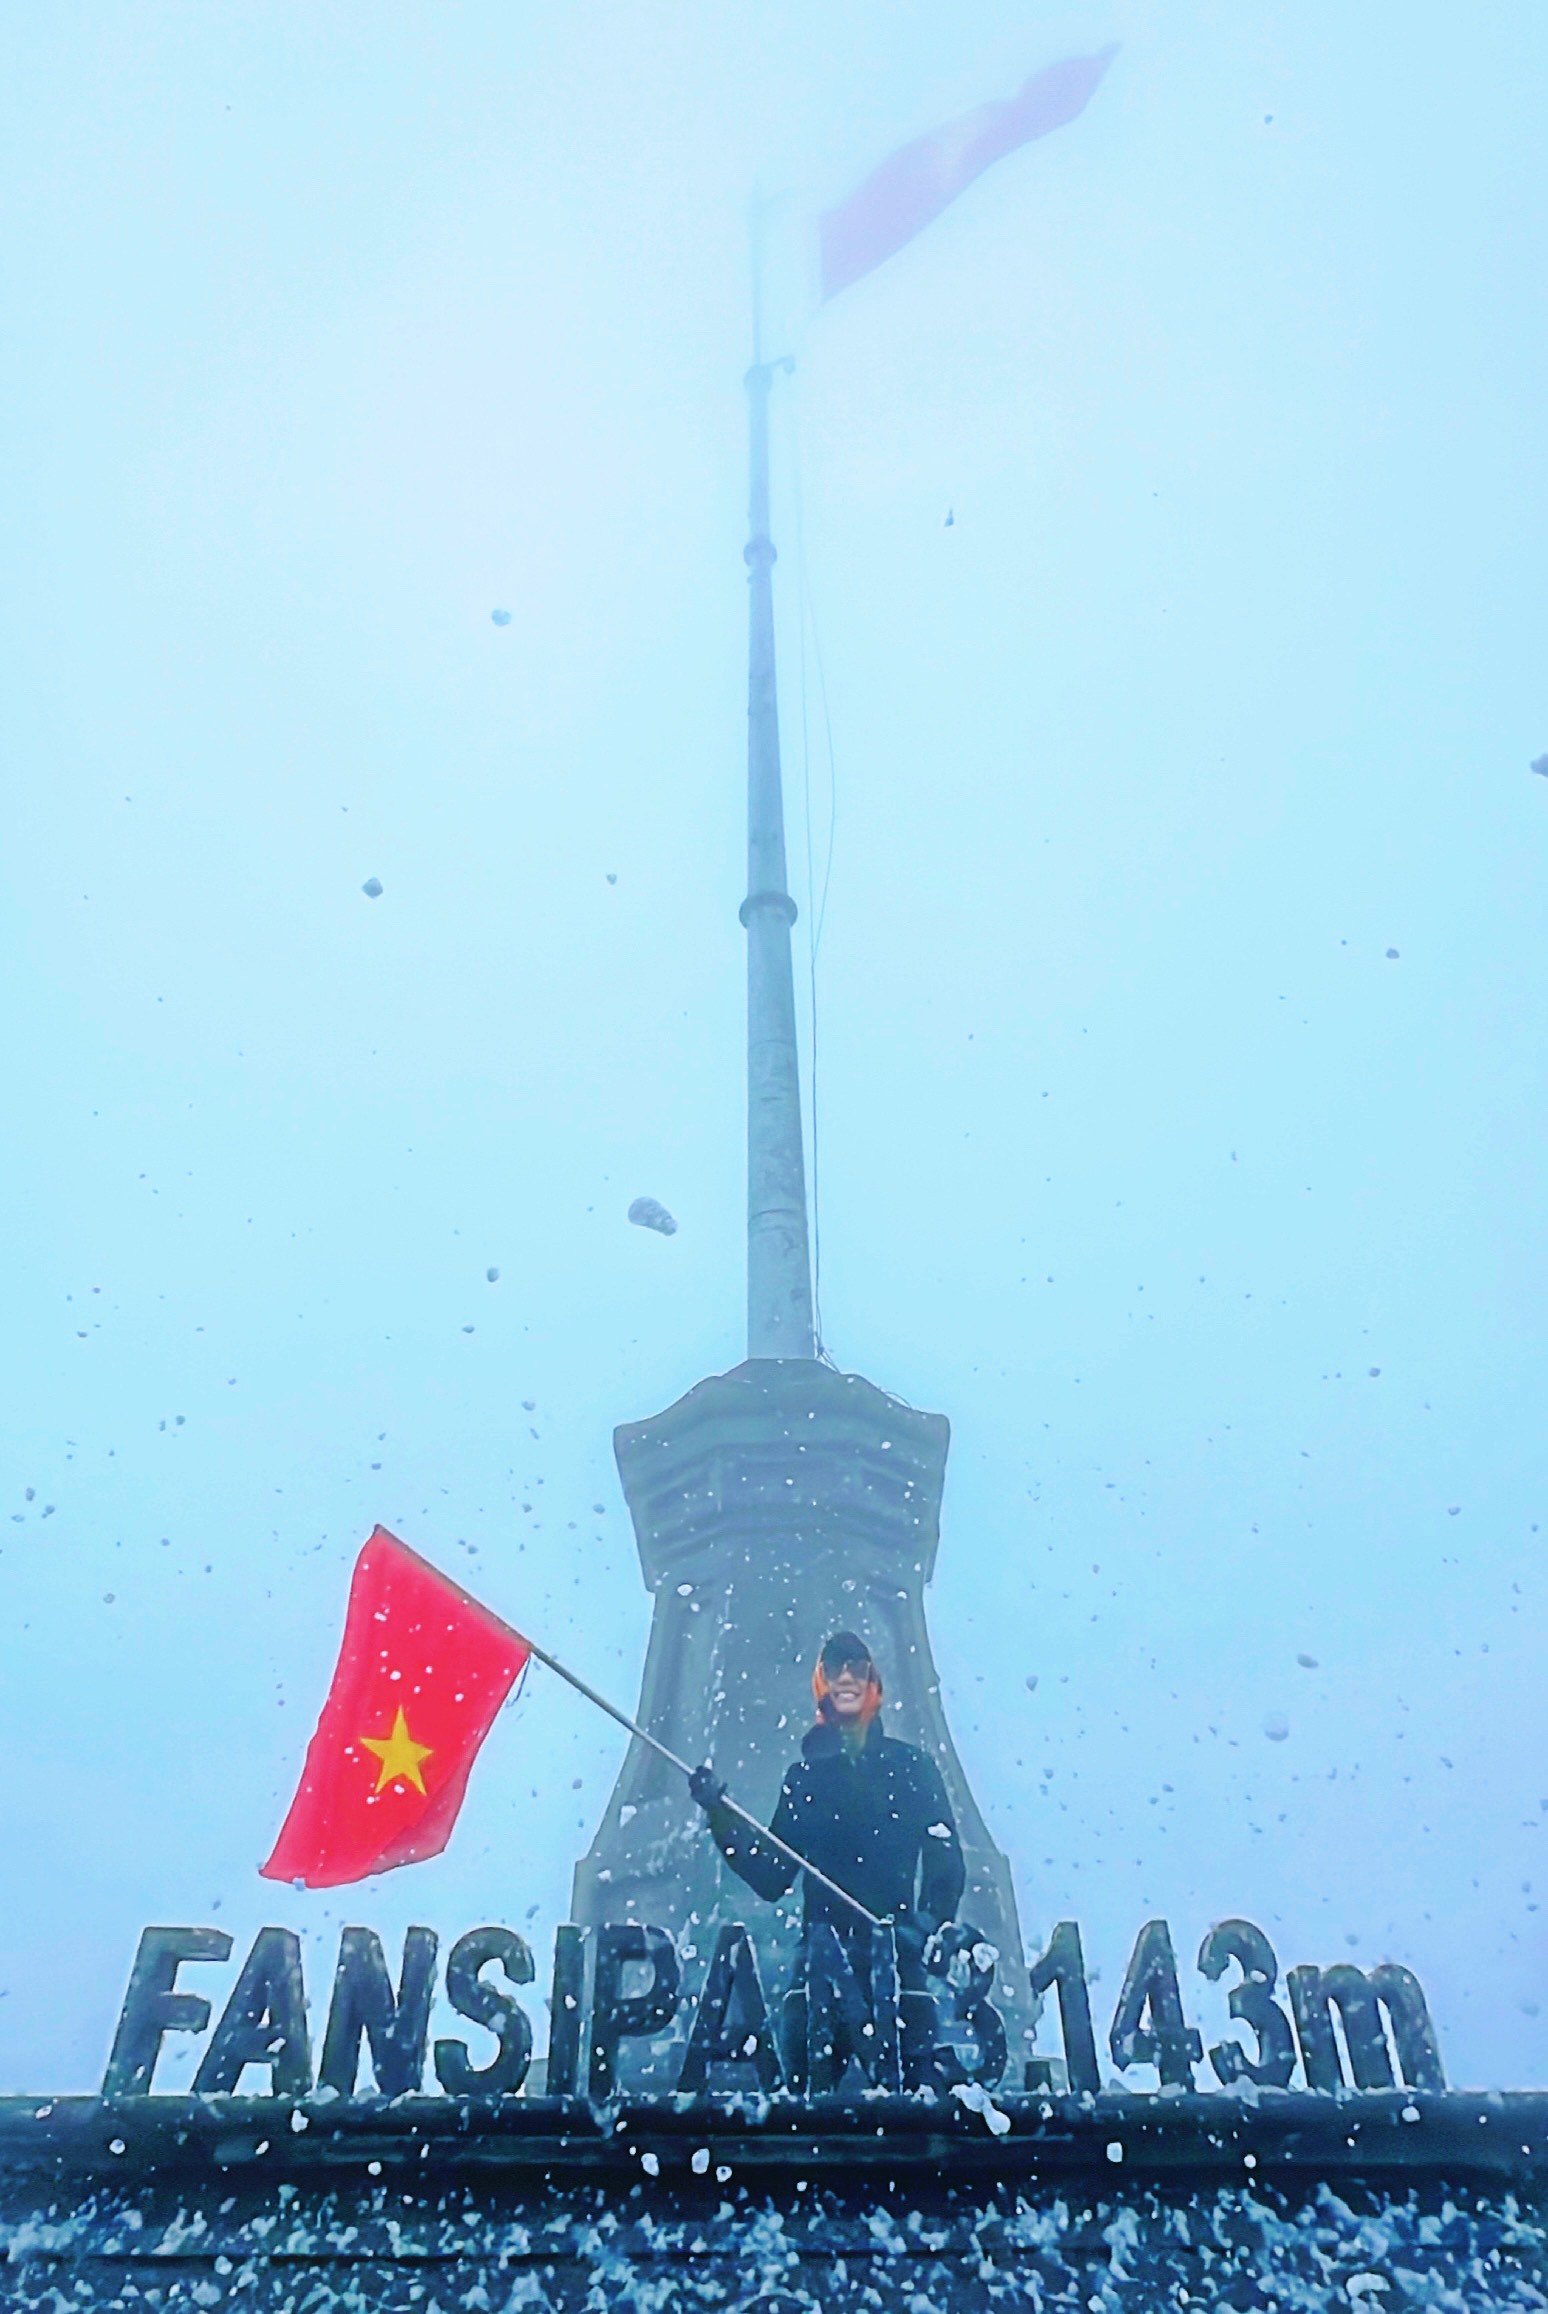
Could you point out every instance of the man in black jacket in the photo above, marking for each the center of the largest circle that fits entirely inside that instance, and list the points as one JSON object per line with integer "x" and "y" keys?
{"x": 867, "y": 1810}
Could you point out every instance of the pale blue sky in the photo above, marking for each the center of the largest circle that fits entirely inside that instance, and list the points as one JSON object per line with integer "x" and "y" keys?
{"x": 331, "y": 329}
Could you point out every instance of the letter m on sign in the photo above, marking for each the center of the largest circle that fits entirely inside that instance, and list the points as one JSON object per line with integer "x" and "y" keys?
{"x": 1359, "y": 1999}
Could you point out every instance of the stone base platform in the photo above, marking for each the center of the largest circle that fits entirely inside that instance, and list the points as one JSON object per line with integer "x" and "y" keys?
{"x": 434, "y": 2206}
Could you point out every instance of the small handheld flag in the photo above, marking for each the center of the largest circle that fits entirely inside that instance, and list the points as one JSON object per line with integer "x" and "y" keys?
{"x": 422, "y": 1670}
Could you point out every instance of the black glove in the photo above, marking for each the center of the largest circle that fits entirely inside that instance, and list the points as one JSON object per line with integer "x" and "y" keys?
{"x": 911, "y": 1935}
{"x": 706, "y": 1787}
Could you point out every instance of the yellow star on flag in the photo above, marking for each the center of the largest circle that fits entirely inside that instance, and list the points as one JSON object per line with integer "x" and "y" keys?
{"x": 399, "y": 1755}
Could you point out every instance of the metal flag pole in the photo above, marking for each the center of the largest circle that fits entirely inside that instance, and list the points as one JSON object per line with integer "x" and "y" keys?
{"x": 792, "y": 1855}
{"x": 779, "y": 1267}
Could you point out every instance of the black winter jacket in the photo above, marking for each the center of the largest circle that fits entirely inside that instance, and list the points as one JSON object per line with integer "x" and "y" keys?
{"x": 875, "y": 1819}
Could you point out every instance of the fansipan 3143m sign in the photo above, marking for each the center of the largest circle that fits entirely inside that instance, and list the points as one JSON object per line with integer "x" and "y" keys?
{"x": 620, "y": 1998}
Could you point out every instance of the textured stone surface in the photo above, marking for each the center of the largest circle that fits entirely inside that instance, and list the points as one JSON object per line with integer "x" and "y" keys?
{"x": 167, "y": 2203}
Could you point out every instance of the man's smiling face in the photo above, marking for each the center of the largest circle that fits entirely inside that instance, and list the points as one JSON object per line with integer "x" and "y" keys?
{"x": 847, "y": 1686}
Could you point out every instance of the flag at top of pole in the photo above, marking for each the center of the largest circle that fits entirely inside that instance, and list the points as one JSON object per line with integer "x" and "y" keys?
{"x": 913, "y": 185}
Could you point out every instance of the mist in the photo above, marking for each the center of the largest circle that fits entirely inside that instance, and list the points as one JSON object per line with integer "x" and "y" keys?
{"x": 1160, "y": 623}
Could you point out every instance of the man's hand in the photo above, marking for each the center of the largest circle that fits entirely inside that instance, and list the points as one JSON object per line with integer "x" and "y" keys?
{"x": 911, "y": 1936}
{"x": 706, "y": 1787}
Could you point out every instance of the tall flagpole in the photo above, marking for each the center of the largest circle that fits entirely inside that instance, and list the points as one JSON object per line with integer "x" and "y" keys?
{"x": 779, "y": 1270}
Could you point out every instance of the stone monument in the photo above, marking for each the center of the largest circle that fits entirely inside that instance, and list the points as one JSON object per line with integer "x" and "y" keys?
{"x": 780, "y": 1501}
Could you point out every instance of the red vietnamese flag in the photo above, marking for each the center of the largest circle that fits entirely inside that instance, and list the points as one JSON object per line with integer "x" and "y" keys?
{"x": 421, "y": 1673}
{"x": 914, "y": 184}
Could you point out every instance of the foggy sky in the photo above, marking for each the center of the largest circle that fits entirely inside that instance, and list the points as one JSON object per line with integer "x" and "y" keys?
{"x": 1215, "y": 1227}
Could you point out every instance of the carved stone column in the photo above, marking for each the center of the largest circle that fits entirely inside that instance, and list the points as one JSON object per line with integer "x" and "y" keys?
{"x": 772, "y": 1505}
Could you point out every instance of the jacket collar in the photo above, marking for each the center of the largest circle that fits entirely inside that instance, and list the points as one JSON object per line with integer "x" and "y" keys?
{"x": 824, "y": 1742}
